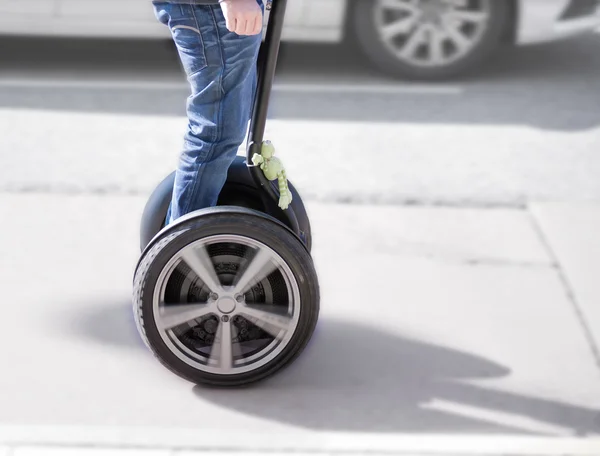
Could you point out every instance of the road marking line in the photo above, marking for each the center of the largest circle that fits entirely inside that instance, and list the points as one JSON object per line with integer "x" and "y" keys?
{"x": 83, "y": 451}
{"x": 355, "y": 88}
{"x": 372, "y": 89}
{"x": 91, "y": 84}
{"x": 297, "y": 441}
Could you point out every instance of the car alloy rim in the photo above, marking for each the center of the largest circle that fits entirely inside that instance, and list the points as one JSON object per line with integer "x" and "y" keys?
{"x": 226, "y": 304}
{"x": 430, "y": 33}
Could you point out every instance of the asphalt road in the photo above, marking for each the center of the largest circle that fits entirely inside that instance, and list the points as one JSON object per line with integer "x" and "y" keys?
{"x": 107, "y": 116}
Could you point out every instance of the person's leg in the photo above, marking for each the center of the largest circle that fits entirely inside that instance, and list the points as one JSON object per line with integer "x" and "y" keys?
{"x": 221, "y": 69}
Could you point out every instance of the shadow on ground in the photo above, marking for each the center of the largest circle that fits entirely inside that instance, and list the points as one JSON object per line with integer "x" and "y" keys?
{"x": 107, "y": 324}
{"x": 354, "y": 377}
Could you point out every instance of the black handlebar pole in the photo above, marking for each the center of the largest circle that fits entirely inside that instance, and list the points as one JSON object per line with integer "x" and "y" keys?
{"x": 266, "y": 74}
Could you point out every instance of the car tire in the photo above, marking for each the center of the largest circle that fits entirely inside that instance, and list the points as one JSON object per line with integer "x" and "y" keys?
{"x": 367, "y": 18}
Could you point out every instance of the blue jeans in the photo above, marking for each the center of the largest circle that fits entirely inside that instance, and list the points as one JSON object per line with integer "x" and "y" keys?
{"x": 221, "y": 69}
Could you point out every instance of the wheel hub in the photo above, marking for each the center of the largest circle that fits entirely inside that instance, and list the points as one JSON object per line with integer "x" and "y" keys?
{"x": 226, "y": 304}
{"x": 432, "y": 11}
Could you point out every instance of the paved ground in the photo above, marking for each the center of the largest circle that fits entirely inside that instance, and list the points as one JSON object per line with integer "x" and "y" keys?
{"x": 457, "y": 323}
{"x": 468, "y": 328}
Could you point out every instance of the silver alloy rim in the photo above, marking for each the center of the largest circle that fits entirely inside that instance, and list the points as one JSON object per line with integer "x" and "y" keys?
{"x": 431, "y": 33}
{"x": 225, "y": 307}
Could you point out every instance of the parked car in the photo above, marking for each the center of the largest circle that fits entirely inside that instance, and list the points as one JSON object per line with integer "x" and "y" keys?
{"x": 422, "y": 39}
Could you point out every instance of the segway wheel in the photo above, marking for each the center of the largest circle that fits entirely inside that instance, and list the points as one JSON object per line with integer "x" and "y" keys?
{"x": 226, "y": 299}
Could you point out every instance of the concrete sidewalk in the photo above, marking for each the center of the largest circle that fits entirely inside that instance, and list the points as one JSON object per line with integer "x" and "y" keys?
{"x": 439, "y": 162}
{"x": 443, "y": 331}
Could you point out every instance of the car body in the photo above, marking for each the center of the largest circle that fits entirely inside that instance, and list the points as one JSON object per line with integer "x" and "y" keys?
{"x": 307, "y": 20}
{"x": 547, "y": 20}
{"x": 526, "y": 21}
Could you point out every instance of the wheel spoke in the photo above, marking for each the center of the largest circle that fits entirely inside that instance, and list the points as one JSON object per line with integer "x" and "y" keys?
{"x": 260, "y": 267}
{"x": 452, "y": 31}
{"x": 199, "y": 261}
{"x": 399, "y": 5}
{"x": 416, "y": 39}
{"x": 398, "y": 27}
{"x": 223, "y": 350}
{"x": 458, "y": 3}
{"x": 467, "y": 16}
{"x": 436, "y": 46}
{"x": 171, "y": 316}
{"x": 271, "y": 322}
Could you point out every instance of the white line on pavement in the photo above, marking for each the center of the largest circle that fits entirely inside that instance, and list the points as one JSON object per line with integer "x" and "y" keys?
{"x": 354, "y": 88}
{"x": 74, "y": 451}
{"x": 298, "y": 442}
{"x": 90, "y": 84}
{"x": 423, "y": 89}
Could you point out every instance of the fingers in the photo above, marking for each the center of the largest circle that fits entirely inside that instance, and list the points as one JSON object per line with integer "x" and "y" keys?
{"x": 249, "y": 29}
{"x": 230, "y": 18}
{"x": 230, "y": 22}
{"x": 243, "y": 17}
{"x": 250, "y": 24}
{"x": 258, "y": 25}
{"x": 244, "y": 25}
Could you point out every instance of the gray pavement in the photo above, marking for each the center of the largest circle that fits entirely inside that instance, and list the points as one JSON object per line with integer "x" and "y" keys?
{"x": 572, "y": 232}
{"x": 440, "y": 322}
{"x": 466, "y": 324}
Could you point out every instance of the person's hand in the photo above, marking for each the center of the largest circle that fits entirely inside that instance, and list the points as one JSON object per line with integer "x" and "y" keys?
{"x": 243, "y": 17}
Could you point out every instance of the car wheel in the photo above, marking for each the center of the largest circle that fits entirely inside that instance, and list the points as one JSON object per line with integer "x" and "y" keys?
{"x": 226, "y": 299}
{"x": 428, "y": 39}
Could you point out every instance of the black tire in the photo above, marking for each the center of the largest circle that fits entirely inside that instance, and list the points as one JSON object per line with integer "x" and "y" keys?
{"x": 362, "y": 31}
{"x": 270, "y": 233}
{"x": 239, "y": 190}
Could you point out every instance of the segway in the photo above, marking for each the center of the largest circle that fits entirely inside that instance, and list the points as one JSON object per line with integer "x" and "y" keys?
{"x": 228, "y": 295}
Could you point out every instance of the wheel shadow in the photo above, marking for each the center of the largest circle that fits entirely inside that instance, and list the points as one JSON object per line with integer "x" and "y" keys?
{"x": 355, "y": 377}
{"x": 105, "y": 323}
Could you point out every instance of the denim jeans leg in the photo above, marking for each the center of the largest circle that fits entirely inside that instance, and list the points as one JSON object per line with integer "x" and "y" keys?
{"x": 221, "y": 69}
